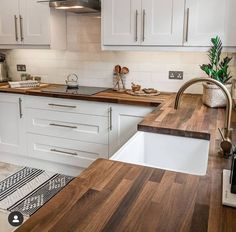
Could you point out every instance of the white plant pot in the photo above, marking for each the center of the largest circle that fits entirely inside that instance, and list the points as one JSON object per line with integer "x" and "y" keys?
{"x": 213, "y": 96}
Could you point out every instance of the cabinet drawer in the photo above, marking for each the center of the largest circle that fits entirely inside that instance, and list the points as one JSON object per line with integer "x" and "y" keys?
{"x": 65, "y": 105}
{"x": 89, "y": 128}
{"x": 65, "y": 151}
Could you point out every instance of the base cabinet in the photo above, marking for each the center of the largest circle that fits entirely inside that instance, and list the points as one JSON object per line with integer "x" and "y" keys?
{"x": 61, "y": 134}
{"x": 65, "y": 151}
{"x": 124, "y": 121}
{"x": 11, "y": 124}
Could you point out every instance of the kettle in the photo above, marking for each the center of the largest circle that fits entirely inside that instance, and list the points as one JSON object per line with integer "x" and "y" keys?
{"x": 72, "y": 81}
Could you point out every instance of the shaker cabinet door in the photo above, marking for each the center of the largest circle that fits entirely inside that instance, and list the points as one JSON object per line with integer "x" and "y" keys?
{"x": 230, "y": 24}
{"x": 121, "y": 22}
{"x": 34, "y": 23}
{"x": 124, "y": 124}
{"x": 11, "y": 124}
{"x": 204, "y": 20}
{"x": 162, "y": 22}
{"x": 9, "y": 22}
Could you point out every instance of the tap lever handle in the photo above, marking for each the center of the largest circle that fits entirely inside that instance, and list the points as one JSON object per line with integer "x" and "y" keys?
{"x": 221, "y": 134}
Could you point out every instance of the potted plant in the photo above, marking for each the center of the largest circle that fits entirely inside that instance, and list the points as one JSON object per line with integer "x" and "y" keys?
{"x": 217, "y": 69}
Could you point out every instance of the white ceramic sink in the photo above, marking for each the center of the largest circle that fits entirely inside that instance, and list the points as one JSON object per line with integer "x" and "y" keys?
{"x": 174, "y": 153}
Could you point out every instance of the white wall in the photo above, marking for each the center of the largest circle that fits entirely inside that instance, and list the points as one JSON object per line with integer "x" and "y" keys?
{"x": 94, "y": 67}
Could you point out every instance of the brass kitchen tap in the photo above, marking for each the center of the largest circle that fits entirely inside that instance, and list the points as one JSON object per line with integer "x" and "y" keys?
{"x": 226, "y": 144}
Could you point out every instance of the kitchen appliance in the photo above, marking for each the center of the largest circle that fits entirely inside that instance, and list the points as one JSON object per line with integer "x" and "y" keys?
{"x": 75, "y": 6}
{"x": 3, "y": 68}
{"x": 72, "y": 81}
{"x": 81, "y": 90}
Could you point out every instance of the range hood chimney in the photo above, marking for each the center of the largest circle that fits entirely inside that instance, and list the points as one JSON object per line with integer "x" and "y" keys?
{"x": 76, "y": 6}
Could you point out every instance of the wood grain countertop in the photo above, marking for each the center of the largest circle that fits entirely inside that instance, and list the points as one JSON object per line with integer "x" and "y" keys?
{"x": 112, "y": 196}
{"x": 109, "y": 96}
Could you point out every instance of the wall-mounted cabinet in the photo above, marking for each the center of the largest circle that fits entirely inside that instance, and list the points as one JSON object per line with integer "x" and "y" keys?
{"x": 204, "y": 19}
{"x": 29, "y": 23}
{"x": 169, "y": 23}
{"x": 143, "y": 22}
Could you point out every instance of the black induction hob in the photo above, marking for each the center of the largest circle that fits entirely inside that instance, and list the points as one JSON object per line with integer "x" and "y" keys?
{"x": 82, "y": 90}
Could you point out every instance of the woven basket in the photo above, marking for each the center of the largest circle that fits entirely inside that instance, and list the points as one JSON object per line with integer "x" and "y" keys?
{"x": 213, "y": 96}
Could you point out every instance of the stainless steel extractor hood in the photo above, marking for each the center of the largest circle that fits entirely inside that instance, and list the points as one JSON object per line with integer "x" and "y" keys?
{"x": 76, "y": 6}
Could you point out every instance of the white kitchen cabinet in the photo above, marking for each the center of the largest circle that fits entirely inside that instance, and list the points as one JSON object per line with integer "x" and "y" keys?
{"x": 163, "y": 22}
{"x": 34, "y": 22}
{"x": 63, "y": 134}
{"x": 167, "y": 24}
{"x": 69, "y": 132}
{"x": 9, "y": 14}
{"x": 205, "y": 20}
{"x": 143, "y": 22}
{"x": 124, "y": 121}
{"x": 121, "y": 20}
{"x": 27, "y": 23}
{"x": 64, "y": 151}
{"x": 82, "y": 127}
{"x": 230, "y": 24}
{"x": 11, "y": 124}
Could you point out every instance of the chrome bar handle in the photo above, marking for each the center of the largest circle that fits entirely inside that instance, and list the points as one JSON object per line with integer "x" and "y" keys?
{"x": 64, "y": 152}
{"x": 136, "y": 26}
{"x": 64, "y": 106}
{"x": 187, "y": 26}
{"x": 21, "y": 28}
{"x": 16, "y": 28}
{"x": 144, "y": 23}
{"x": 110, "y": 118}
{"x": 65, "y": 126}
{"x": 20, "y": 107}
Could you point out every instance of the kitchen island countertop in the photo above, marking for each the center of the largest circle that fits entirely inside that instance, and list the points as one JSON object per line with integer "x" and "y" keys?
{"x": 114, "y": 196}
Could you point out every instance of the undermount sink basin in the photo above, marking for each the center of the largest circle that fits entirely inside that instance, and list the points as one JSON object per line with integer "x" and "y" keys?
{"x": 174, "y": 153}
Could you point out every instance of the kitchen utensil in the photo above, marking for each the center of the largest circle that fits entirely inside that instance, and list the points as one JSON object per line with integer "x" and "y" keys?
{"x": 82, "y": 90}
{"x": 119, "y": 77}
{"x": 2, "y": 57}
{"x": 150, "y": 90}
{"x": 117, "y": 69}
{"x": 141, "y": 93}
{"x": 72, "y": 81}
{"x": 124, "y": 70}
{"x": 135, "y": 87}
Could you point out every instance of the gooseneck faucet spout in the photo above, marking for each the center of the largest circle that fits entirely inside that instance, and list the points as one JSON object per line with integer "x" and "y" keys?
{"x": 226, "y": 144}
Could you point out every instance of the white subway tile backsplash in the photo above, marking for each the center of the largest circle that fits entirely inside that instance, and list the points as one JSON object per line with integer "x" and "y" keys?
{"x": 95, "y": 67}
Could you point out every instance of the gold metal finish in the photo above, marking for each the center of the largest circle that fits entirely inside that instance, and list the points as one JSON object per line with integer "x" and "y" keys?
{"x": 226, "y": 144}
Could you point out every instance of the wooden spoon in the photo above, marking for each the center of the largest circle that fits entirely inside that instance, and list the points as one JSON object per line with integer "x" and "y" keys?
{"x": 124, "y": 70}
{"x": 117, "y": 69}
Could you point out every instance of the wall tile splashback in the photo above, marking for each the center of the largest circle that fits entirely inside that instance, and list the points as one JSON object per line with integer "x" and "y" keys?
{"x": 94, "y": 66}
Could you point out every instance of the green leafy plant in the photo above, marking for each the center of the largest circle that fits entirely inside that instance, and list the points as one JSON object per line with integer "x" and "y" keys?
{"x": 218, "y": 68}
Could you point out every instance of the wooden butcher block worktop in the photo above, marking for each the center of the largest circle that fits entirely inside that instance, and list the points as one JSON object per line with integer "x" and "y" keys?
{"x": 111, "y": 196}
{"x": 106, "y": 96}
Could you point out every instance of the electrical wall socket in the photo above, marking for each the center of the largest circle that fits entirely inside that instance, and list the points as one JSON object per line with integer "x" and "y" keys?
{"x": 21, "y": 67}
{"x": 176, "y": 75}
